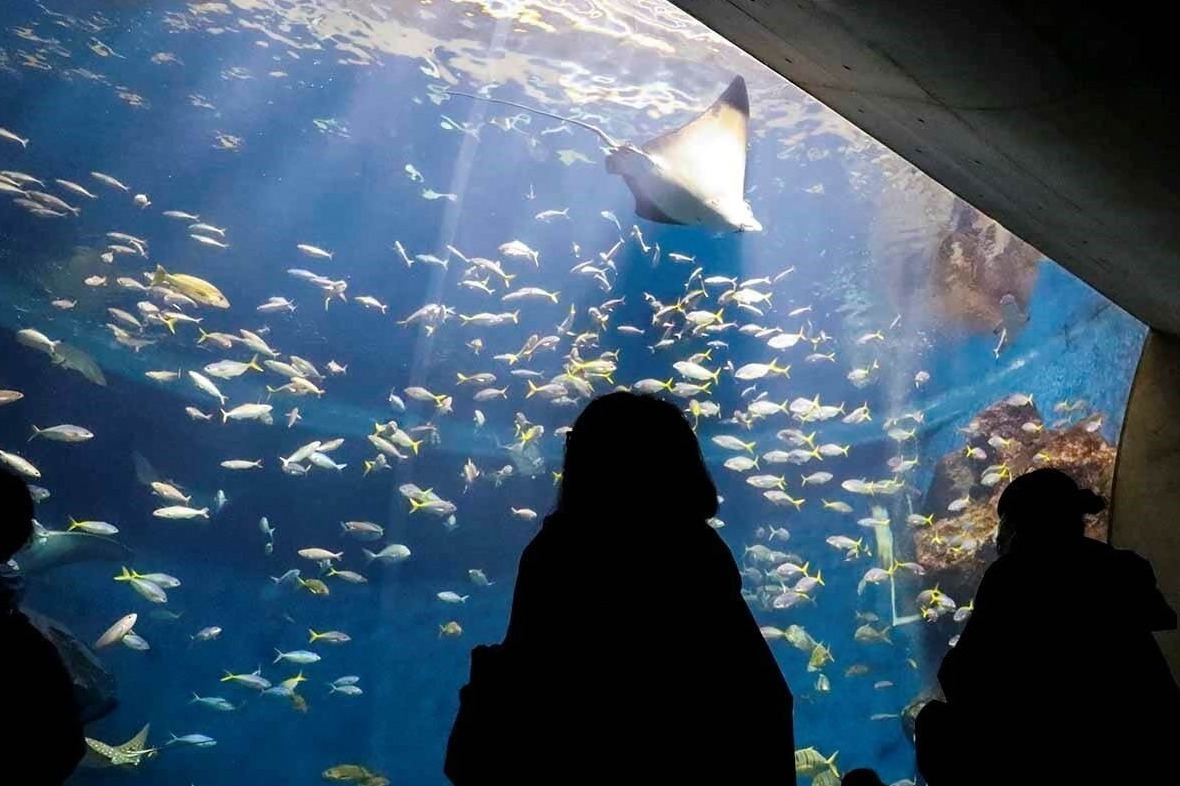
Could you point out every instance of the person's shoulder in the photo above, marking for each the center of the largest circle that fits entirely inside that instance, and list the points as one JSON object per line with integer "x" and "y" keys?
{"x": 1003, "y": 577}
{"x": 714, "y": 544}
{"x": 541, "y": 540}
{"x": 715, "y": 553}
{"x": 1129, "y": 570}
{"x": 1120, "y": 565}
{"x": 543, "y": 547}
{"x": 1126, "y": 559}
{"x": 1000, "y": 568}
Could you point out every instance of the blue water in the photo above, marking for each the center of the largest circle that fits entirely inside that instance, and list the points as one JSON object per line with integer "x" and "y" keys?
{"x": 347, "y": 190}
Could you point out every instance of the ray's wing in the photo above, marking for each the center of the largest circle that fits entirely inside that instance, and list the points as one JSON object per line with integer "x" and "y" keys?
{"x": 145, "y": 473}
{"x": 98, "y": 754}
{"x": 65, "y": 548}
{"x": 708, "y": 154}
{"x": 138, "y": 742}
{"x": 646, "y": 208}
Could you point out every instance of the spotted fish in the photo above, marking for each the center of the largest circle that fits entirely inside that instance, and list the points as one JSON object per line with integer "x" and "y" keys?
{"x": 129, "y": 754}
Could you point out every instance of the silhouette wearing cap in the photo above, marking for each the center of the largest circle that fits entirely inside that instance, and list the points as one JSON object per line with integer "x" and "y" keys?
{"x": 861, "y": 776}
{"x": 42, "y": 733}
{"x": 1056, "y": 677}
{"x": 630, "y": 656}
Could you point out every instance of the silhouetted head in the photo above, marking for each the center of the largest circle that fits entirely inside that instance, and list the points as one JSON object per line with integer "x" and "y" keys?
{"x": 1044, "y": 507}
{"x": 862, "y": 776}
{"x": 630, "y": 455}
{"x": 16, "y": 515}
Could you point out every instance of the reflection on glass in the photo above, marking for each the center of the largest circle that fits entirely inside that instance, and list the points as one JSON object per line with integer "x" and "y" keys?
{"x": 325, "y": 322}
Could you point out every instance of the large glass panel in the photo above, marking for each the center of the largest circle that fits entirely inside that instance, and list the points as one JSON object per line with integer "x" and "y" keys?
{"x": 931, "y": 357}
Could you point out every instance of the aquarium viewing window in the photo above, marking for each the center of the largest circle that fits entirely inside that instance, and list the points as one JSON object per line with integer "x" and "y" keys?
{"x": 299, "y": 298}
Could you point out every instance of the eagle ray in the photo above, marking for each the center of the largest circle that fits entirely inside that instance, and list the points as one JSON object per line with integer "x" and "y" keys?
{"x": 694, "y": 175}
{"x": 128, "y": 754}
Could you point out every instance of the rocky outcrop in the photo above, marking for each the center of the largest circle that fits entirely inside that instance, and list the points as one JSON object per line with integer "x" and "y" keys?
{"x": 946, "y": 261}
{"x": 976, "y": 264}
{"x": 959, "y": 544}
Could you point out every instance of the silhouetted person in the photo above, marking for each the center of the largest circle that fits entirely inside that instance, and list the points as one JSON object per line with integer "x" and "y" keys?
{"x": 41, "y": 734}
{"x": 862, "y": 776}
{"x": 1056, "y": 677}
{"x": 631, "y": 656}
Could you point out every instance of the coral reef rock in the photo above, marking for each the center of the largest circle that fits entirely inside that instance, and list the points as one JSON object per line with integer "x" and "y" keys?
{"x": 977, "y": 263}
{"x": 946, "y": 260}
{"x": 959, "y": 544}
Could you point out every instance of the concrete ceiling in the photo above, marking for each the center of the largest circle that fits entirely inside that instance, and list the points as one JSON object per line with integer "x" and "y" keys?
{"x": 1060, "y": 121}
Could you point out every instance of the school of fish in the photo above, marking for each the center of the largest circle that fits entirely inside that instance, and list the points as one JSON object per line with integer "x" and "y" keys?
{"x": 532, "y": 356}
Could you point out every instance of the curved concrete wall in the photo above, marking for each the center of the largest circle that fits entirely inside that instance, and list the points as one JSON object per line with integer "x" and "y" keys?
{"x": 1145, "y": 504}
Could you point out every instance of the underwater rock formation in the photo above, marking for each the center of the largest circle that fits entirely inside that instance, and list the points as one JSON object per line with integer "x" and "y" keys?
{"x": 957, "y": 547}
{"x": 94, "y": 685}
{"x": 947, "y": 262}
{"x": 976, "y": 264}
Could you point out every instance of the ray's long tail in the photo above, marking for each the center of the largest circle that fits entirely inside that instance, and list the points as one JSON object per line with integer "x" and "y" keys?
{"x": 588, "y": 126}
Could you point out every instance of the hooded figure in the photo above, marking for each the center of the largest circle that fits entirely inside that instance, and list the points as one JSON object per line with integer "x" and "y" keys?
{"x": 630, "y": 656}
{"x": 43, "y": 728}
{"x": 1056, "y": 677}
